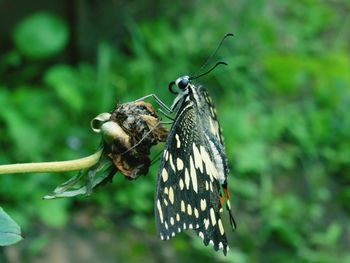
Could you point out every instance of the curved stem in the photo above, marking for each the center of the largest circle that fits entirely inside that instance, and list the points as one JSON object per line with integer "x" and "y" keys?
{"x": 46, "y": 167}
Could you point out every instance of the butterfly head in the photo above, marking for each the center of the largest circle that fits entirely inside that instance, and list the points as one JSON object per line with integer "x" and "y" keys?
{"x": 181, "y": 83}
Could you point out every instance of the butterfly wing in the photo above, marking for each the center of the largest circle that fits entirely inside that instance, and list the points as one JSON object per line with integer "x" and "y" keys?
{"x": 208, "y": 114}
{"x": 214, "y": 133}
{"x": 188, "y": 190}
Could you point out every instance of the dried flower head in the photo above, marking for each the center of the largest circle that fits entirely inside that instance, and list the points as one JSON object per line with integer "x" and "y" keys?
{"x": 129, "y": 132}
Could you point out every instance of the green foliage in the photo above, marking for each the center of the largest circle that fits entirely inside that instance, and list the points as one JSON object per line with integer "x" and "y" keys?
{"x": 41, "y": 35}
{"x": 283, "y": 103}
{"x": 52, "y": 213}
{"x": 63, "y": 80}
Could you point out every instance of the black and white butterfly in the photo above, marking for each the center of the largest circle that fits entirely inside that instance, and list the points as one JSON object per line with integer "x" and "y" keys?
{"x": 192, "y": 177}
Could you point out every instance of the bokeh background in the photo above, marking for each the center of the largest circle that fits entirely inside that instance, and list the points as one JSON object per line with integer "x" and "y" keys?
{"x": 283, "y": 103}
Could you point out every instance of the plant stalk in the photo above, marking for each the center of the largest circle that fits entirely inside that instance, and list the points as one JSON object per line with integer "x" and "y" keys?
{"x": 52, "y": 167}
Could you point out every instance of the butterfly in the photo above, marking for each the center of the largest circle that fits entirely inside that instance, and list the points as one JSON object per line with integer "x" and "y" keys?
{"x": 192, "y": 177}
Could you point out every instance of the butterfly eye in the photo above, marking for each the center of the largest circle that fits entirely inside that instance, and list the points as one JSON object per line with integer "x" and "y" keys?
{"x": 182, "y": 82}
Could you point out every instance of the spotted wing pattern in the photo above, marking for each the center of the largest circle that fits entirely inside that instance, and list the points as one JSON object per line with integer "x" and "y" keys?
{"x": 192, "y": 170}
{"x": 213, "y": 131}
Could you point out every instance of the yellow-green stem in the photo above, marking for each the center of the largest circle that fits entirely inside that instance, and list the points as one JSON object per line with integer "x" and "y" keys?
{"x": 51, "y": 167}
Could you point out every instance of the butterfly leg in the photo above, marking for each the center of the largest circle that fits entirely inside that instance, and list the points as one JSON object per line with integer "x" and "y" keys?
{"x": 166, "y": 115}
{"x": 158, "y": 100}
{"x": 145, "y": 136}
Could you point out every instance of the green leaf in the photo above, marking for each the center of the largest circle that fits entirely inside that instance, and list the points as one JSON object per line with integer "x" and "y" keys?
{"x": 41, "y": 35}
{"x": 63, "y": 79}
{"x": 10, "y": 232}
{"x": 53, "y": 213}
{"x": 85, "y": 181}
{"x": 252, "y": 157}
{"x": 21, "y": 130}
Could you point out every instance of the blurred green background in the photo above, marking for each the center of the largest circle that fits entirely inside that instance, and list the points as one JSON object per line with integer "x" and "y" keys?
{"x": 283, "y": 103}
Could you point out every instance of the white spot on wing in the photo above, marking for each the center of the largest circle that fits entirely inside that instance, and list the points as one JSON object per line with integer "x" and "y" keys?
{"x": 179, "y": 164}
{"x": 187, "y": 179}
{"x": 209, "y": 167}
{"x": 193, "y": 176}
{"x": 212, "y": 216}
{"x": 171, "y": 162}
{"x": 218, "y": 171}
{"x": 189, "y": 209}
{"x": 171, "y": 195}
{"x": 203, "y": 204}
{"x": 201, "y": 235}
{"x": 206, "y": 223}
{"x": 159, "y": 207}
{"x": 165, "y": 175}
{"x": 178, "y": 142}
{"x": 183, "y": 209}
{"x": 181, "y": 183}
{"x": 197, "y": 157}
{"x": 221, "y": 227}
{"x": 196, "y": 213}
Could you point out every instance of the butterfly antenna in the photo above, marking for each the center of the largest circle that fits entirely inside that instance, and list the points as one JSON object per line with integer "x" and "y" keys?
{"x": 210, "y": 70}
{"x": 214, "y": 53}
